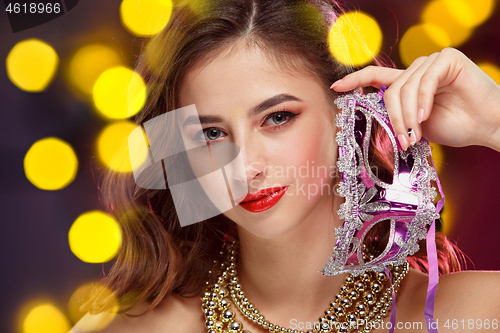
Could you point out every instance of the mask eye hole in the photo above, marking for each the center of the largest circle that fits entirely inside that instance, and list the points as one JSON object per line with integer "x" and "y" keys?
{"x": 381, "y": 154}
{"x": 376, "y": 240}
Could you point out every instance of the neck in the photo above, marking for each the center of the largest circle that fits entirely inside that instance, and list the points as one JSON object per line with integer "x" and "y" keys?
{"x": 281, "y": 276}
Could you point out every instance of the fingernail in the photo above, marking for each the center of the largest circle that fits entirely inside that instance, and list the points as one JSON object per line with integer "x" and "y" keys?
{"x": 335, "y": 83}
{"x": 411, "y": 134}
{"x": 403, "y": 141}
{"x": 420, "y": 115}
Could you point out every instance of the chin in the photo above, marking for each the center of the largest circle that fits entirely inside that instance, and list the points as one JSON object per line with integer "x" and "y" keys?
{"x": 267, "y": 230}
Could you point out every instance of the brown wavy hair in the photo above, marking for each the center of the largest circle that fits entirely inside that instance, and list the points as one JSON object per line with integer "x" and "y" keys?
{"x": 158, "y": 256}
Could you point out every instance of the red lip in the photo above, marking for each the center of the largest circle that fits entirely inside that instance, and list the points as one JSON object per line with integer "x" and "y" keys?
{"x": 263, "y": 200}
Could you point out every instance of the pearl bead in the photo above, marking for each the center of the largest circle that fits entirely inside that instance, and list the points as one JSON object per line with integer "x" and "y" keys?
{"x": 235, "y": 325}
{"x": 345, "y": 302}
{"x": 360, "y": 286}
{"x": 351, "y": 317}
{"x": 376, "y": 287}
{"x": 369, "y": 297}
{"x": 223, "y": 292}
{"x": 361, "y": 309}
{"x": 343, "y": 329}
{"x": 210, "y": 324}
{"x": 228, "y": 315}
{"x": 352, "y": 294}
{"x": 224, "y": 303}
{"x": 339, "y": 311}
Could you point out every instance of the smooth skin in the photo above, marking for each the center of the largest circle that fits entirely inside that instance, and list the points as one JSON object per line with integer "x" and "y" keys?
{"x": 279, "y": 267}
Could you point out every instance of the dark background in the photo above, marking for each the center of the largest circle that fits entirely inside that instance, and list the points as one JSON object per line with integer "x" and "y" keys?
{"x": 35, "y": 258}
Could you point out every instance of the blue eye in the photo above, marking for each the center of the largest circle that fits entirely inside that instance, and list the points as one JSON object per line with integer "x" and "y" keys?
{"x": 278, "y": 117}
{"x": 212, "y": 133}
{"x": 281, "y": 118}
{"x": 208, "y": 134}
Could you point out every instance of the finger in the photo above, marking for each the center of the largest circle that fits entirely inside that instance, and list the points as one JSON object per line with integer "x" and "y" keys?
{"x": 374, "y": 76}
{"x": 409, "y": 98}
{"x": 439, "y": 74}
{"x": 393, "y": 103}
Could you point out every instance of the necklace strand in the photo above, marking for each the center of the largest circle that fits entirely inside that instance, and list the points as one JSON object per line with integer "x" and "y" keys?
{"x": 367, "y": 297}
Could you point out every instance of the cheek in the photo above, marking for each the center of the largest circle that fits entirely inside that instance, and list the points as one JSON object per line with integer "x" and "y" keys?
{"x": 312, "y": 152}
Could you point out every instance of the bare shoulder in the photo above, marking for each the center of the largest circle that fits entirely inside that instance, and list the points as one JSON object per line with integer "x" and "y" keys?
{"x": 470, "y": 292}
{"x": 462, "y": 295}
{"x": 465, "y": 301}
{"x": 174, "y": 314}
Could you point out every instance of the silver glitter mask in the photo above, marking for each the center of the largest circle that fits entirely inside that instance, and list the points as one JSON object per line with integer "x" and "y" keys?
{"x": 405, "y": 205}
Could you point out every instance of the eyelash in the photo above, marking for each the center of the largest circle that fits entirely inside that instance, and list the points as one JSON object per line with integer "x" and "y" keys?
{"x": 290, "y": 116}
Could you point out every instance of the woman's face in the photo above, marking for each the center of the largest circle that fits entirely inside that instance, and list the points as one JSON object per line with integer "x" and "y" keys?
{"x": 284, "y": 126}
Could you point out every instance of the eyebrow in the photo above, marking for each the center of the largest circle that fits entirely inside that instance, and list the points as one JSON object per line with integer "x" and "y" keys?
{"x": 268, "y": 103}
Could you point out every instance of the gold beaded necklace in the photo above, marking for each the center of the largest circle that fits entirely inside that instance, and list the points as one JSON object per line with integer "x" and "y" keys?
{"x": 367, "y": 297}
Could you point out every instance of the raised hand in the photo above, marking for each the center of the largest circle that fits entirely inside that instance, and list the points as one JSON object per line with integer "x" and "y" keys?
{"x": 444, "y": 97}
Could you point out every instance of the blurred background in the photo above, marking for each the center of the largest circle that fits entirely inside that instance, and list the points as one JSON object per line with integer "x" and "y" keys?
{"x": 63, "y": 110}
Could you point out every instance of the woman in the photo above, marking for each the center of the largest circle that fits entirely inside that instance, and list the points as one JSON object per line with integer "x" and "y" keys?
{"x": 259, "y": 74}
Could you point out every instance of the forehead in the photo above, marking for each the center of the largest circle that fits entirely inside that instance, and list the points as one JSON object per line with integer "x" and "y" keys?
{"x": 242, "y": 75}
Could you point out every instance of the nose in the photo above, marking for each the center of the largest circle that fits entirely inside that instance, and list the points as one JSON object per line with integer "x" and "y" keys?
{"x": 254, "y": 165}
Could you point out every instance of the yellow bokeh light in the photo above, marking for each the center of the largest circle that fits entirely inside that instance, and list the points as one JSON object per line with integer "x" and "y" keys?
{"x": 113, "y": 147}
{"x": 437, "y": 156}
{"x": 50, "y": 164}
{"x": 471, "y": 13}
{"x": 198, "y": 6}
{"x": 95, "y": 237}
{"x": 32, "y": 64}
{"x": 119, "y": 93}
{"x": 93, "y": 293}
{"x": 45, "y": 318}
{"x": 355, "y": 38}
{"x": 145, "y": 17}
{"x": 447, "y": 217}
{"x": 88, "y": 63}
{"x": 492, "y": 70}
{"x": 436, "y": 12}
{"x": 422, "y": 40}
